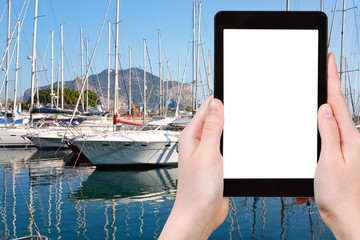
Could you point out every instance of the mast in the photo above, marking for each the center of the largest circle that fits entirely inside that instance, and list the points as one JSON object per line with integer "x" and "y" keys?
{"x": 193, "y": 59}
{"x": 33, "y": 63}
{"x": 345, "y": 90}
{"x": 178, "y": 79}
{"x": 7, "y": 62}
{"x": 197, "y": 61}
{"x": 163, "y": 92}
{"x": 16, "y": 65}
{"x": 321, "y": 5}
{"x": 82, "y": 65}
{"x": 167, "y": 89}
{"x": 116, "y": 59}
{"x": 342, "y": 41}
{"x": 62, "y": 65}
{"x": 108, "y": 76}
{"x": 87, "y": 82}
{"x": 144, "y": 79}
{"x": 287, "y": 5}
{"x": 37, "y": 89}
{"x": 52, "y": 70}
{"x": 160, "y": 105}
{"x": 208, "y": 71}
{"x": 129, "y": 80}
{"x": 58, "y": 86}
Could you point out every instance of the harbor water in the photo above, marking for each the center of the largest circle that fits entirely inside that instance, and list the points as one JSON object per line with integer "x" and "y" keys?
{"x": 87, "y": 203}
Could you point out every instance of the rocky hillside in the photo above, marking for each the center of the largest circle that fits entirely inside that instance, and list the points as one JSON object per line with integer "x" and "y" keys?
{"x": 98, "y": 84}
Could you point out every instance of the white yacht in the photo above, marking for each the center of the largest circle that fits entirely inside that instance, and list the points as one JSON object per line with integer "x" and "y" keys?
{"x": 131, "y": 147}
{"x": 153, "y": 143}
{"x": 14, "y": 137}
{"x": 52, "y": 137}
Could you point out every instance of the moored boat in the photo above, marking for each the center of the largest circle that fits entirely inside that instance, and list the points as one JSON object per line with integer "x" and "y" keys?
{"x": 132, "y": 147}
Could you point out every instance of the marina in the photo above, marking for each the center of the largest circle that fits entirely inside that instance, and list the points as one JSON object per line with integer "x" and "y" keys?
{"x": 90, "y": 118}
{"x": 89, "y": 203}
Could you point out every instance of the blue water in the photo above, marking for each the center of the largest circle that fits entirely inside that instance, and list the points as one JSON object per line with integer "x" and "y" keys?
{"x": 87, "y": 203}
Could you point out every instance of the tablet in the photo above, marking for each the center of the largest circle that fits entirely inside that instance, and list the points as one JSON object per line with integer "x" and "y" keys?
{"x": 271, "y": 74}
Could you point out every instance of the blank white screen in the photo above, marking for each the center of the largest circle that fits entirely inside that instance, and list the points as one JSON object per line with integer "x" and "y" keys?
{"x": 270, "y": 103}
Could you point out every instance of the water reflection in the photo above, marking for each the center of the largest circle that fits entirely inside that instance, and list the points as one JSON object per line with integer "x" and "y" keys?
{"x": 88, "y": 203}
{"x": 273, "y": 218}
{"x": 134, "y": 184}
{"x": 51, "y": 155}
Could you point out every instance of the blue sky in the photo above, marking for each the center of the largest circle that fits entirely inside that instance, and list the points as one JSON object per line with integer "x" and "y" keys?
{"x": 141, "y": 19}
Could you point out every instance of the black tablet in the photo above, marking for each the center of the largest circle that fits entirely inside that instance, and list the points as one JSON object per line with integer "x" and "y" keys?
{"x": 271, "y": 74}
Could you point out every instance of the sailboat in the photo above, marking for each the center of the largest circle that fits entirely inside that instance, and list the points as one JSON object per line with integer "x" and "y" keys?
{"x": 12, "y": 135}
{"x": 154, "y": 143}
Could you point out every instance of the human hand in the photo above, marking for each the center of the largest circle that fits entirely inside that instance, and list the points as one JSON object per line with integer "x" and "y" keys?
{"x": 337, "y": 177}
{"x": 199, "y": 207}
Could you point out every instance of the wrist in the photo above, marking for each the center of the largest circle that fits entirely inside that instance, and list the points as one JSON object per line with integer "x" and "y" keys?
{"x": 344, "y": 227}
{"x": 182, "y": 225}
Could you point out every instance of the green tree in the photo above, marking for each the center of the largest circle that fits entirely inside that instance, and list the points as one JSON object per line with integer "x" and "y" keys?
{"x": 92, "y": 98}
{"x": 70, "y": 96}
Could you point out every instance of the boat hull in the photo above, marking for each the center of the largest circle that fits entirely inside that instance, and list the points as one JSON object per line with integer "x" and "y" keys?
{"x": 47, "y": 143}
{"x": 13, "y": 138}
{"x": 131, "y": 149}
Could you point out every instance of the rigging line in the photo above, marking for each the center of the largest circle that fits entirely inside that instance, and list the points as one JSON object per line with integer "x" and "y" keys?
{"x": 183, "y": 77}
{"x": 87, "y": 70}
{"x": 123, "y": 80}
{"x": 78, "y": 156}
{"x": 332, "y": 24}
{"x": 148, "y": 56}
{"x": 23, "y": 33}
{"x": 3, "y": 13}
{"x": 56, "y": 22}
{"x": 167, "y": 61}
{"x": 351, "y": 97}
{"x": 202, "y": 86}
{"x": 7, "y": 70}
{"x": 356, "y": 27}
{"x": 98, "y": 80}
{"x": 122, "y": 74}
{"x": 58, "y": 33}
{"x": 152, "y": 75}
{"x": 42, "y": 60}
{"x": 72, "y": 64}
{"x": 12, "y": 34}
{"x": 136, "y": 76}
{"x": 205, "y": 67}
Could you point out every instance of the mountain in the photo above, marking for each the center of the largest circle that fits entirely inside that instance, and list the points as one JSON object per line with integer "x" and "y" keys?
{"x": 98, "y": 84}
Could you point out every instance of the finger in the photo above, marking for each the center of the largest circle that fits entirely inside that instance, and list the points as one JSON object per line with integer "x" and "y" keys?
{"x": 197, "y": 122}
{"x": 337, "y": 101}
{"x": 194, "y": 128}
{"x": 330, "y": 137}
{"x": 213, "y": 126}
{"x": 190, "y": 137}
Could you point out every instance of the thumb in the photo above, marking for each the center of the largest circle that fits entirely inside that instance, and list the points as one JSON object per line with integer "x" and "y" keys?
{"x": 329, "y": 132}
{"x": 213, "y": 126}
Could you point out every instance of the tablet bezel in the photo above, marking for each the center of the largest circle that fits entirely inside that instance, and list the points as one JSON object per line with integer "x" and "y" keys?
{"x": 270, "y": 20}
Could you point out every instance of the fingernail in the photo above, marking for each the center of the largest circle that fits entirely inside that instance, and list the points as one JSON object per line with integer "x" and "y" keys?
{"x": 214, "y": 106}
{"x": 327, "y": 111}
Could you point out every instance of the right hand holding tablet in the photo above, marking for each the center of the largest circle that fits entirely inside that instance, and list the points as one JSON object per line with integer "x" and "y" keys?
{"x": 337, "y": 177}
